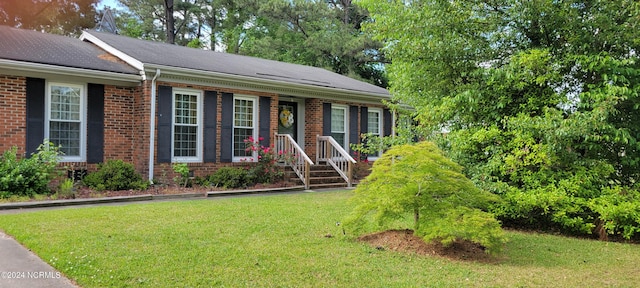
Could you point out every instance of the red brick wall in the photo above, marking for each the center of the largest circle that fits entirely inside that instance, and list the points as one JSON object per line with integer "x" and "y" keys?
{"x": 312, "y": 125}
{"x": 119, "y": 119}
{"x": 163, "y": 171}
{"x": 127, "y": 119}
{"x": 142, "y": 109}
{"x": 119, "y": 122}
{"x": 13, "y": 113}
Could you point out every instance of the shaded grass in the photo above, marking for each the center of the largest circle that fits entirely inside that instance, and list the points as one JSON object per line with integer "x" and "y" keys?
{"x": 37, "y": 197}
{"x": 281, "y": 240}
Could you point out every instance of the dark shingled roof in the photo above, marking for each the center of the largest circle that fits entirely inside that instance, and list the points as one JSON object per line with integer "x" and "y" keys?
{"x": 36, "y": 47}
{"x": 159, "y": 53}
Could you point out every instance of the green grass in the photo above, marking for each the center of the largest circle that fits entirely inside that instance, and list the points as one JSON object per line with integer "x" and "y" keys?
{"x": 280, "y": 241}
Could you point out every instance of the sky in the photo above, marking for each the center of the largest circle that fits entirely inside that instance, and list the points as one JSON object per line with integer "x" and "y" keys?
{"x": 110, "y": 3}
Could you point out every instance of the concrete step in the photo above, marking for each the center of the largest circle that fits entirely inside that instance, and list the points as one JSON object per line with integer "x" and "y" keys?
{"x": 319, "y": 174}
{"x": 322, "y": 176}
{"x": 328, "y": 185}
{"x": 325, "y": 167}
{"x": 326, "y": 180}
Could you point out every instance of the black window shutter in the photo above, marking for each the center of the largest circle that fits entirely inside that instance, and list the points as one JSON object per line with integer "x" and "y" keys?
{"x": 413, "y": 125}
{"x": 95, "y": 123}
{"x": 226, "y": 147}
{"x": 364, "y": 120}
{"x": 364, "y": 125}
{"x": 326, "y": 119}
{"x": 165, "y": 121}
{"x": 387, "y": 122}
{"x": 35, "y": 114}
{"x": 210, "y": 123}
{"x": 354, "y": 136}
{"x": 265, "y": 121}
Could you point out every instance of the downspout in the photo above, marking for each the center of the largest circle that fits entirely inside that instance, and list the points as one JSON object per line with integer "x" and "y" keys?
{"x": 152, "y": 125}
{"x": 393, "y": 123}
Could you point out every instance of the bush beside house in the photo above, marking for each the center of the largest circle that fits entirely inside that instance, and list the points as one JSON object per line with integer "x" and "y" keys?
{"x": 28, "y": 176}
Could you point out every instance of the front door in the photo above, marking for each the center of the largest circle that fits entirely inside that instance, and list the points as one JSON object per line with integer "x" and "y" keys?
{"x": 288, "y": 119}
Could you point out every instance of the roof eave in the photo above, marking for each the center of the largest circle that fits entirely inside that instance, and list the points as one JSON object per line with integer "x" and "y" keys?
{"x": 30, "y": 69}
{"x": 223, "y": 80}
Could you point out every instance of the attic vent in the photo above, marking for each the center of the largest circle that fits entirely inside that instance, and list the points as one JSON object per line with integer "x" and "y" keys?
{"x": 286, "y": 77}
{"x": 323, "y": 82}
{"x": 273, "y": 75}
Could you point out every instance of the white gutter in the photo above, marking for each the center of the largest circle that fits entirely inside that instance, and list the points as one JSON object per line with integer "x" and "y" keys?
{"x": 58, "y": 71}
{"x": 277, "y": 86}
{"x": 393, "y": 123}
{"x": 152, "y": 125}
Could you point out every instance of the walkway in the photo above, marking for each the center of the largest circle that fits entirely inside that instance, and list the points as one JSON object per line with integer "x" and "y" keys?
{"x": 19, "y": 267}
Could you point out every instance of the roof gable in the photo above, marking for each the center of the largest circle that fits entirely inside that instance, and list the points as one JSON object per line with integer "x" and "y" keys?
{"x": 163, "y": 54}
{"x": 42, "y": 48}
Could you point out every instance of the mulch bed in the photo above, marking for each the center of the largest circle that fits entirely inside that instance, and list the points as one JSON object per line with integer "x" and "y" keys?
{"x": 405, "y": 241}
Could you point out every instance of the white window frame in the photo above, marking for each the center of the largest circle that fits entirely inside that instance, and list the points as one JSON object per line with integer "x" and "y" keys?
{"x": 345, "y": 145}
{"x": 380, "y": 129}
{"x": 256, "y": 119}
{"x": 83, "y": 119}
{"x": 199, "y": 125}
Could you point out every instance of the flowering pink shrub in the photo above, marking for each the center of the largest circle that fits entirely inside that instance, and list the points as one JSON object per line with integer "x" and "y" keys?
{"x": 362, "y": 168}
{"x": 266, "y": 170}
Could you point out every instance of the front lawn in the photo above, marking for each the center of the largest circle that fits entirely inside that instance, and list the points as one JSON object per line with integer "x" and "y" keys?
{"x": 291, "y": 241}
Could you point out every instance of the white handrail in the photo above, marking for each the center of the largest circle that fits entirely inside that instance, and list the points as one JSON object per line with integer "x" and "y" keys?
{"x": 328, "y": 150}
{"x": 294, "y": 157}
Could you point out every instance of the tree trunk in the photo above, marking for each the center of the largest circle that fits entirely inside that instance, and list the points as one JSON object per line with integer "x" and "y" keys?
{"x": 346, "y": 5}
{"x": 416, "y": 208}
{"x": 170, "y": 23}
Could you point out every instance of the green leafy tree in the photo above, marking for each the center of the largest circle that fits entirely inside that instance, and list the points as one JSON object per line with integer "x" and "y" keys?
{"x": 539, "y": 98}
{"x": 160, "y": 20}
{"x": 66, "y": 17}
{"x": 316, "y": 33}
{"x": 418, "y": 180}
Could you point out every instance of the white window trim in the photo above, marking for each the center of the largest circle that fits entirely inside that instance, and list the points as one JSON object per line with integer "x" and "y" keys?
{"x": 256, "y": 119}
{"x": 380, "y": 129}
{"x": 200, "y": 117}
{"x": 83, "y": 119}
{"x": 346, "y": 123}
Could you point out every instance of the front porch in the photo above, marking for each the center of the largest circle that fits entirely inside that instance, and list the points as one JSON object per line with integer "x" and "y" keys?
{"x": 333, "y": 166}
{"x": 318, "y": 134}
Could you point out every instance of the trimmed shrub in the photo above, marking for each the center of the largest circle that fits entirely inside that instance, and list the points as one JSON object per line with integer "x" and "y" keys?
{"x": 230, "y": 178}
{"x": 418, "y": 181}
{"x": 115, "y": 175}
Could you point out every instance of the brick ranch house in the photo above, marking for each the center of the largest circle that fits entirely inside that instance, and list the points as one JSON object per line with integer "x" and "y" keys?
{"x": 106, "y": 96}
